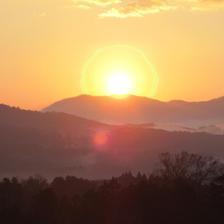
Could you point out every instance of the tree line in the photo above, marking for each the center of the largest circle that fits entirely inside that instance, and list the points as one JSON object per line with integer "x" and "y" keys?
{"x": 183, "y": 188}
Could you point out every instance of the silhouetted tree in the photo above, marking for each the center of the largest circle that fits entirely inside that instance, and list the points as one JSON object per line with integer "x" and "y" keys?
{"x": 189, "y": 166}
{"x": 187, "y": 188}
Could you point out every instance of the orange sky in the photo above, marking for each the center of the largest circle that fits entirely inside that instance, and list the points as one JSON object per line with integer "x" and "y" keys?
{"x": 45, "y": 43}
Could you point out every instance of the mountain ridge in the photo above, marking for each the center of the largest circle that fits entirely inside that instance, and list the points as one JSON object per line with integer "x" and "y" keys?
{"x": 54, "y": 143}
{"x": 134, "y": 109}
{"x": 114, "y": 98}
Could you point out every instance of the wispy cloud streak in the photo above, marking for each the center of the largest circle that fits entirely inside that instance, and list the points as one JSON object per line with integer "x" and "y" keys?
{"x": 140, "y": 8}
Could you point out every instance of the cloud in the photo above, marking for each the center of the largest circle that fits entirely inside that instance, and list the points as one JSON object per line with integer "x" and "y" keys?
{"x": 99, "y": 3}
{"x": 137, "y": 8}
{"x": 140, "y": 8}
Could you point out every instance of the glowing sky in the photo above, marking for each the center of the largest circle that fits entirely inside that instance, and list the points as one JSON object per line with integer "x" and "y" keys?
{"x": 44, "y": 45}
{"x": 119, "y": 70}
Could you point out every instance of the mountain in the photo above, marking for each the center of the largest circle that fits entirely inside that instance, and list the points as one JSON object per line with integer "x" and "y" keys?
{"x": 173, "y": 115}
{"x": 52, "y": 143}
{"x": 61, "y": 122}
{"x": 48, "y": 143}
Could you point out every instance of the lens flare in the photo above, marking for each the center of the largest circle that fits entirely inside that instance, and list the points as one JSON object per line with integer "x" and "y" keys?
{"x": 100, "y": 138}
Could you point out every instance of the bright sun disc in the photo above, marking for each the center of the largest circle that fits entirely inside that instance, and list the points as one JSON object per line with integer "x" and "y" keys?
{"x": 119, "y": 83}
{"x": 119, "y": 70}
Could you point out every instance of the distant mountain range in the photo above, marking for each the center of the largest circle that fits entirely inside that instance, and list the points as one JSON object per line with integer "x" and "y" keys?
{"x": 52, "y": 143}
{"x": 205, "y": 116}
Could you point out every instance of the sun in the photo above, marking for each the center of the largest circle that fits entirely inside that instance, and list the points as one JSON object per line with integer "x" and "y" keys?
{"x": 119, "y": 84}
{"x": 119, "y": 70}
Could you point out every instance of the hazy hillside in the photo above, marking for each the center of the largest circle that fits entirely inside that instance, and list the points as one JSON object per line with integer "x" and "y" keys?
{"x": 45, "y": 121}
{"x": 47, "y": 143}
{"x": 137, "y": 110}
{"x": 57, "y": 144}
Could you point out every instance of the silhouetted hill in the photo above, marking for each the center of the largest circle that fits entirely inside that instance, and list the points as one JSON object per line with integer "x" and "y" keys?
{"x": 57, "y": 144}
{"x": 137, "y": 110}
{"x": 35, "y": 142}
{"x": 45, "y": 121}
